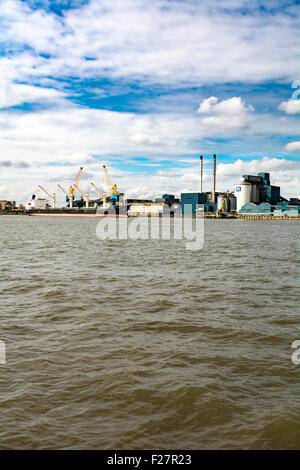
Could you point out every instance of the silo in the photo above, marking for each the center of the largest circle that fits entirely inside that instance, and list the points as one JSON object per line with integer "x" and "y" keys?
{"x": 243, "y": 193}
{"x": 232, "y": 202}
{"x": 220, "y": 200}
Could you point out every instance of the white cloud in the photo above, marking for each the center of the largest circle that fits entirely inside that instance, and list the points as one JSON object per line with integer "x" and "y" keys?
{"x": 231, "y": 113}
{"x": 293, "y": 146}
{"x": 74, "y": 134}
{"x": 290, "y": 106}
{"x": 231, "y": 106}
{"x": 140, "y": 138}
{"x": 140, "y": 192}
{"x": 283, "y": 172}
{"x": 12, "y": 94}
{"x": 265, "y": 164}
{"x": 38, "y": 29}
{"x": 231, "y": 122}
{"x": 207, "y": 105}
{"x": 174, "y": 43}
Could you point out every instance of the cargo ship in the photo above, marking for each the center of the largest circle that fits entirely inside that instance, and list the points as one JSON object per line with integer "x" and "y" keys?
{"x": 111, "y": 211}
{"x": 40, "y": 207}
{"x": 37, "y": 202}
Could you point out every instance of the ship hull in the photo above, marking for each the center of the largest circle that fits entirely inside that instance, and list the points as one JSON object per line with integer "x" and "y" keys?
{"x": 74, "y": 212}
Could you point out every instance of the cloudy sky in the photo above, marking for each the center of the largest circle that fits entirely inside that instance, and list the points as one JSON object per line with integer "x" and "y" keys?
{"x": 146, "y": 87}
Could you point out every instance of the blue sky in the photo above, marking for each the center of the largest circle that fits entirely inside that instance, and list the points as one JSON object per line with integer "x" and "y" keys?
{"x": 146, "y": 87}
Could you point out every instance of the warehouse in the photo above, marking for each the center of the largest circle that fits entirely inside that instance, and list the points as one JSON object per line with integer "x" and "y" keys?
{"x": 258, "y": 209}
{"x": 146, "y": 209}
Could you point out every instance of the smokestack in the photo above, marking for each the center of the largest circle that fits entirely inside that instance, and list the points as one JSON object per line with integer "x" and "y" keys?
{"x": 214, "y": 179}
{"x": 201, "y": 174}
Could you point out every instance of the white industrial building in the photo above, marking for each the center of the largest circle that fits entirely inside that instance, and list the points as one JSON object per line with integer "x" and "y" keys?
{"x": 146, "y": 209}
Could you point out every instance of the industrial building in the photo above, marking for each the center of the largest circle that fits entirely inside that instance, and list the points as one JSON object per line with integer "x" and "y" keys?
{"x": 7, "y": 205}
{"x": 190, "y": 202}
{"x": 287, "y": 212}
{"x": 225, "y": 203}
{"x": 282, "y": 209}
{"x": 167, "y": 198}
{"x": 167, "y": 204}
{"x": 256, "y": 190}
{"x": 258, "y": 209}
{"x": 145, "y": 209}
{"x": 253, "y": 196}
{"x": 213, "y": 202}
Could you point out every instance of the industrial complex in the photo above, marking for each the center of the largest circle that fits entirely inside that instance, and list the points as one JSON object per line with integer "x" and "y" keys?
{"x": 253, "y": 197}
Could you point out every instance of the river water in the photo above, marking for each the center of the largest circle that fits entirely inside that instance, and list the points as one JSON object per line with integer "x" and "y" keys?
{"x": 142, "y": 344}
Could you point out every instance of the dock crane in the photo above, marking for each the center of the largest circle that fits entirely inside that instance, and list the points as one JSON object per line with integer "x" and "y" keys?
{"x": 85, "y": 195}
{"x": 51, "y": 196}
{"x": 113, "y": 190}
{"x": 72, "y": 189}
{"x": 96, "y": 189}
{"x": 103, "y": 195}
{"x": 70, "y": 196}
{"x": 224, "y": 207}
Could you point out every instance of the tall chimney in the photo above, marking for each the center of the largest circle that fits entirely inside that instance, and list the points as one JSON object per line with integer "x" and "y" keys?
{"x": 201, "y": 174}
{"x": 214, "y": 180}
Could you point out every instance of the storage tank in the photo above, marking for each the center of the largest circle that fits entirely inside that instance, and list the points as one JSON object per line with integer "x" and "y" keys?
{"x": 220, "y": 200}
{"x": 232, "y": 202}
{"x": 243, "y": 193}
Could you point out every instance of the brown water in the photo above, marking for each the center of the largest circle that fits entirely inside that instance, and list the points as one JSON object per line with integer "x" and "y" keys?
{"x": 142, "y": 344}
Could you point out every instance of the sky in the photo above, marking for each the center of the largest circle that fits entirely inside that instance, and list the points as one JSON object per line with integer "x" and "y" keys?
{"x": 146, "y": 87}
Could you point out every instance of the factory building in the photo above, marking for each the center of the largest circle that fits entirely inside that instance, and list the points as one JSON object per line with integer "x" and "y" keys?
{"x": 226, "y": 202}
{"x": 254, "y": 195}
{"x": 256, "y": 190}
{"x": 190, "y": 202}
{"x": 213, "y": 201}
{"x": 168, "y": 198}
{"x": 268, "y": 192}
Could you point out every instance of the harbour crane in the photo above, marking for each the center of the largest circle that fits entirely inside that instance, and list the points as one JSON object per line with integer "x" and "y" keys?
{"x": 72, "y": 189}
{"x": 112, "y": 189}
{"x": 103, "y": 195}
{"x": 85, "y": 195}
{"x": 224, "y": 208}
{"x": 69, "y": 197}
{"x": 51, "y": 196}
{"x": 96, "y": 189}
